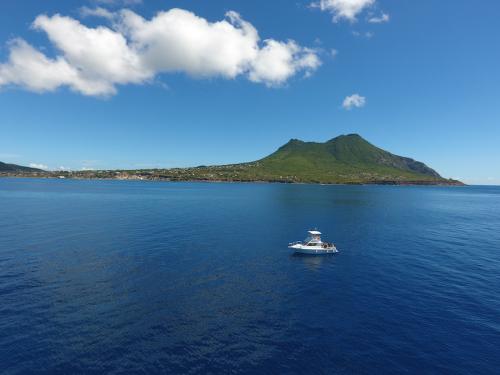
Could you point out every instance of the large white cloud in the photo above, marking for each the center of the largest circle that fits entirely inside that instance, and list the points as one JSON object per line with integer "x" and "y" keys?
{"x": 30, "y": 69}
{"x": 343, "y": 9}
{"x": 94, "y": 60}
{"x": 178, "y": 40}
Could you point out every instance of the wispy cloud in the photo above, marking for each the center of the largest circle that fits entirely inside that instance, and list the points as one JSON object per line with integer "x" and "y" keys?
{"x": 39, "y": 166}
{"x": 349, "y": 10}
{"x": 118, "y": 2}
{"x": 96, "y": 12}
{"x": 353, "y": 101}
{"x": 343, "y": 9}
{"x": 367, "y": 34}
{"x": 384, "y": 17}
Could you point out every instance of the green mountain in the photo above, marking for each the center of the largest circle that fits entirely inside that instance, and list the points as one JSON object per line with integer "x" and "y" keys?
{"x": 17, "y": 168}
{"x": 344, "y": 159}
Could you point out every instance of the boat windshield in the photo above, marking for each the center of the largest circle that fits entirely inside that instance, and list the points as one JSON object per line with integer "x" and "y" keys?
{"x": 312, "y": 239}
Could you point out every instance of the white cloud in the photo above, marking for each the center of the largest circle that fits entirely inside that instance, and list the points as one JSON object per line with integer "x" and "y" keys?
{"x": 278, "y": 61}
{"x": 94, "y": 60}
{"x": 101, "y": 56}
{"x": 39, "y": 166}
{"x": 118, "y": 2}
{"x": 29, "y": 68}
{"x": 96, "y": 12}
{"x": 334, "y": 52}
{"x": 354, "y": 101}
{"x": 343, "y": 9}
{"x": 384, "y": 17}
{"x": 367, "y": 35}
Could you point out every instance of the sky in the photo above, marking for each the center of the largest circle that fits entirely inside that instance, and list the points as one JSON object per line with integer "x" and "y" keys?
{"x": 102, "y": 84}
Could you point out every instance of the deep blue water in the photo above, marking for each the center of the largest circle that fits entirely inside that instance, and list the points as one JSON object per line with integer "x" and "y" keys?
{"x": 146, "y": 277}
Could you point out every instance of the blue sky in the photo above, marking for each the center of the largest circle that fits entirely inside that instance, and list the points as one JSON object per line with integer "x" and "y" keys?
{"x": 427, "y": 76}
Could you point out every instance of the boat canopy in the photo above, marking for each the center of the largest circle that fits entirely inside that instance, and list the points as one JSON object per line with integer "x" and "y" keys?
{"x": 314, "y": 232}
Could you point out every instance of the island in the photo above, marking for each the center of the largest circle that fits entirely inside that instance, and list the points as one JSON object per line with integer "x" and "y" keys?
{"x": 346, "y": 159}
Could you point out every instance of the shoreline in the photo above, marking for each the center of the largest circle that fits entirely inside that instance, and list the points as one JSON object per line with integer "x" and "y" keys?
{"x": 452, "y": 183}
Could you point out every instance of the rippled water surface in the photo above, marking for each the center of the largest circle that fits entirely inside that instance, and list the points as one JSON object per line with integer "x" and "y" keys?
{"x": 121, "y": 277}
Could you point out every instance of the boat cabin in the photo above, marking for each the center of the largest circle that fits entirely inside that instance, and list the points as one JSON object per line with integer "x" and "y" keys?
{"x": 314, "y": 238}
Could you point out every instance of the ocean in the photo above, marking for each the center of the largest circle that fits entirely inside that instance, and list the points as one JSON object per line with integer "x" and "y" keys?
{"x": 196, "y": 278}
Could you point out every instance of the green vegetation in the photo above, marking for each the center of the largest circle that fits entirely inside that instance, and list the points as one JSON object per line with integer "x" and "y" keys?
{"x": 16, "y": 168}
{"x": 347, "y": 159}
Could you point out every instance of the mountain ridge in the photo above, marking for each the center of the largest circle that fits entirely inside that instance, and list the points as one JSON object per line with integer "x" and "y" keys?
{"x": 344, "y": 159}
{"x": 5, "y": 167}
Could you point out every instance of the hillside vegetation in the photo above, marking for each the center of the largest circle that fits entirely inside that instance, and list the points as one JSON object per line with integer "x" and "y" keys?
{"x": 4, "y": 167}
{"x": 347, "y": 159}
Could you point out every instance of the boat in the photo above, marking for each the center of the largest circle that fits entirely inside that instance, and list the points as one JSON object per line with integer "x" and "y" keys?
{"x": 313, "y": 245}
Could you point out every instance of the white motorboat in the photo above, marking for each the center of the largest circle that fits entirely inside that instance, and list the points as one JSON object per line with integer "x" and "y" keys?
{"x": 313, "y": 245}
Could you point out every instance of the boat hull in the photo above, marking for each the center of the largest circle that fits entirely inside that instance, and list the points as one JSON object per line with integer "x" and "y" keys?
{"x": 313, "y": 251}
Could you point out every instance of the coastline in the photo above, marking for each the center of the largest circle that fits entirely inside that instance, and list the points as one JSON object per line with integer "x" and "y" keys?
{"x": 445, "y": 183}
